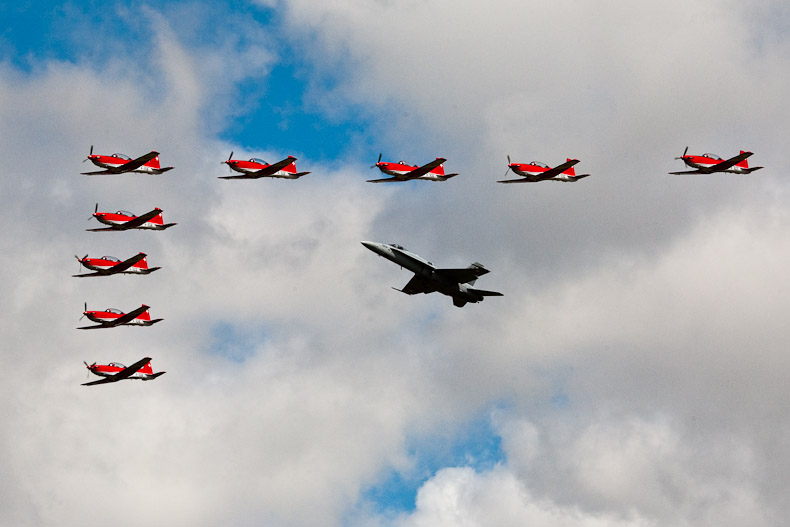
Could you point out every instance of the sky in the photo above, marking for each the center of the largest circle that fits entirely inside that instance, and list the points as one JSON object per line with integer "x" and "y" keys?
{"x": 635, "y": 372}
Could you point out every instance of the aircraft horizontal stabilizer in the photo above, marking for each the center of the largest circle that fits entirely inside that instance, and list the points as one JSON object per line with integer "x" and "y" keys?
{"x": 487, "y": 293}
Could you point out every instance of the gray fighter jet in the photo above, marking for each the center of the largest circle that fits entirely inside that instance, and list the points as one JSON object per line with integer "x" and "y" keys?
{"x": 456, "y": 283}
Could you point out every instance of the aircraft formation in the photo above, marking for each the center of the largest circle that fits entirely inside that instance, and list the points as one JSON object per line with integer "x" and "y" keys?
{"x": 456, "y": 283}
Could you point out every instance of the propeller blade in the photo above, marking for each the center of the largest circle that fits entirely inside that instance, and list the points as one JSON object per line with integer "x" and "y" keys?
{"x": 91, "y": 151}
{"x": 231, "y": 155}
{"x": 90, "y": 154}
{"x": 377, "y": 162}
{"x": 508, "y": 166}
{"x": 684, "y": 153}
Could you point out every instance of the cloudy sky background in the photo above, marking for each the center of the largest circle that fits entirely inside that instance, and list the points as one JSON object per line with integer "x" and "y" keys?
{"x": 635, "y": 373}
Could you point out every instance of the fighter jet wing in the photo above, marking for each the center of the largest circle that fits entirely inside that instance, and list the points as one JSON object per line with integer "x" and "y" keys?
{"x": 123, "y": 374}
{"x": 418, "y": 284}
{"x": 463, "y": 276}
{"x": 421, "y": 171}
{"x": 139, "y": 220}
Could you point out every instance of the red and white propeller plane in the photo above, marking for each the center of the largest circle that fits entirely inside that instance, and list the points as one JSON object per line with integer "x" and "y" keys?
{"x": 257, "y": 168}
{"x": 115, "y": 371}
{"x": 400, "y": 171}
{"x": 111, "y": 317}
{"x": 535, "y": 171}
{"x": 711, "y": 163}
{"x": 109, "y": 265}
{"x": 123, "y": 220}
{"x": 121, "y": 164}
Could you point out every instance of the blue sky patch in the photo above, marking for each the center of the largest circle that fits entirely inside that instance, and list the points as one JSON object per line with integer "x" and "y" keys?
{"x": 474, "y": 444}
{"x": 234, "y": 343}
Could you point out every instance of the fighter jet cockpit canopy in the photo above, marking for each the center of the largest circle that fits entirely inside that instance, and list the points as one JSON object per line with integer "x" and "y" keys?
{"x": 110, "y": 258}
{"x": 113, "y": 310}
{"x": 126, "y": 213}
{"x": 539, "y": 164}
{"x": 713, "y": 156}
{"x": 117, "y": 365}
{"x": 396, "y": 246}
{"x": 122, "y": 156}
{"x": 258, "y": 160}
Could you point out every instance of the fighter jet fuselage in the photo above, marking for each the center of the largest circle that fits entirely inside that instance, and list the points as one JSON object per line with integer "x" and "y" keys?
{"x": 456, "y": 283}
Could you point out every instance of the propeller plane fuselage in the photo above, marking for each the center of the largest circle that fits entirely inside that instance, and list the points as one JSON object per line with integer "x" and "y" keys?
{"x": 711, "y": 163}
{"x": 122, "y": 164}
{"x": 536, "y": 171}
{"x": 109, "y": 265}
{"x": 257, "y": 168}
{"x": 402, "y": 171}
{"x": 123, "y": 220}
{"x": 116, "y": 371}
{"x": 111, "y": 317}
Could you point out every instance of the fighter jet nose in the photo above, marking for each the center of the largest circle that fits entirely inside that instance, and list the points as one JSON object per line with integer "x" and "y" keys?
{"x": 369, "y": 245}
